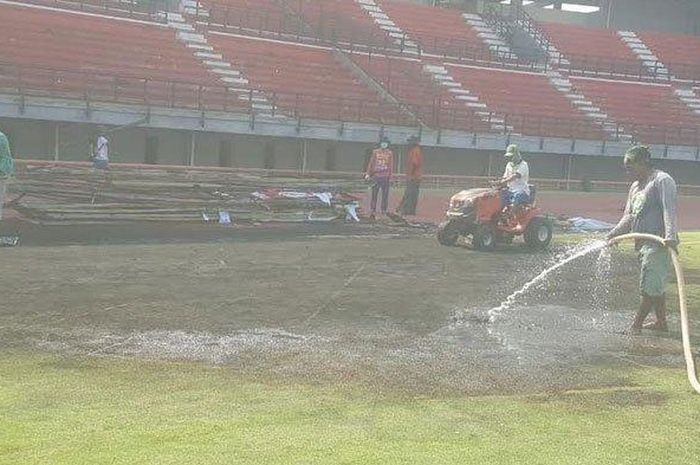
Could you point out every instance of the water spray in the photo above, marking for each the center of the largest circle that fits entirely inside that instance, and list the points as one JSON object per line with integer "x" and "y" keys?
{"x": 685, "y": 332}
{"x": 510, "y": 300}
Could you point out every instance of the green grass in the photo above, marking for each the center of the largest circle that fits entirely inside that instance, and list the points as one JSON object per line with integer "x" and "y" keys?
{"x": 56, "y": 410}
{"x": 92, "y": 411}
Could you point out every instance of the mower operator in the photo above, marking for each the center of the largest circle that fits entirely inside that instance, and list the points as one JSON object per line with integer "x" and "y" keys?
{"x": 651, "y": 208}
{"x": 515, "y": 179}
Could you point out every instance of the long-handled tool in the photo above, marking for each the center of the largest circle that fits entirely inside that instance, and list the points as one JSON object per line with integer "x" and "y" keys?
{"x": 685, "y": 332}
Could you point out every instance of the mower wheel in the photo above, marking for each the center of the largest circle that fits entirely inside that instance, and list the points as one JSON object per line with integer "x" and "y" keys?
{"x": 538, "y": 234}
{"x": 448, "y": 233}
{"x": 484, "y": 237}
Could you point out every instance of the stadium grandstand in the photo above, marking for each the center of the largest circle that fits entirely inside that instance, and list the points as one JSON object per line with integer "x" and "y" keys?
{"x": 573, "y": 84}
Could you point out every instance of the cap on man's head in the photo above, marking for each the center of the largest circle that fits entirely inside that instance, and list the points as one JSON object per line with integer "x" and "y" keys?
{"x": 638, "y": 154}
{"x": 512, "y": 151}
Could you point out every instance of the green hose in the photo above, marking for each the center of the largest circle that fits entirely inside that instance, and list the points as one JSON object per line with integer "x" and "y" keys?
{"x": 685, "y": 333}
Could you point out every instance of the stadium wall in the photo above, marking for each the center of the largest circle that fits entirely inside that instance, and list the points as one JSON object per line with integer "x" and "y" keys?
{"x": 36, "y": 140}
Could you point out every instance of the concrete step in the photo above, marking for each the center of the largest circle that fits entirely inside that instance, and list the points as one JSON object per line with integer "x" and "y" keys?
{"x": 195, "y": 12}
{"x": 479, "y": 28}
{"x": 174, "y": 17}
{"x": 191, "y": 4}
{"x": 372, "y": 9}
{"x": 392, "y": 28}
{"x": 258, "y": 98}
{"x": 236, "y": 80}
{"x": 237, "y": 90}
{"x": 384, "y": 22}
{"x": 489, "y": 35}
{"x": 181, "y": 26}
{"x": 216, "y": 64}
{"x": 192, "y": 38}
{"x": 226, "y": 72}
{"x": 436, "y": 69}
{"x": 468, "y": 98}
{"x": 200, "y": 47}
{"x": 208, "y": 56}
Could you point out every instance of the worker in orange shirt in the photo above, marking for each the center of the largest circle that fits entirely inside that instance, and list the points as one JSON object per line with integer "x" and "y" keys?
{"x": 414, "y": 173}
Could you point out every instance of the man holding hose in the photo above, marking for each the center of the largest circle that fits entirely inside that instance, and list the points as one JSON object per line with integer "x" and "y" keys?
{"x": 651, "y": 208}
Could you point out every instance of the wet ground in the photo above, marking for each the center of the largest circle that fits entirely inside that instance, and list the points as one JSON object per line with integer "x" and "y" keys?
{"x": 372, "y": 304}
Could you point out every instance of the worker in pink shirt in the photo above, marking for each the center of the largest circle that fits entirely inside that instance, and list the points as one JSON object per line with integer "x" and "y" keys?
{"x": 379, "y": 171}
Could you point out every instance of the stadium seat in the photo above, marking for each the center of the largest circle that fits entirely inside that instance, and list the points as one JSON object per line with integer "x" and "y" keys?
{"x": 594, "y": 50}
{"x": 251, "y": 16}
{"x": 340, "y": 21}
{"x": 120, "y": 8}
{"x": 404, "y": 79}
{"x": 112, "y": 58}
{"x": 679, "y": 53}
{"x": 304, "y": 81}
{"x": 532, "y": 105}
{"x": 651, "y": 112}
{"x": 439, "y": 31}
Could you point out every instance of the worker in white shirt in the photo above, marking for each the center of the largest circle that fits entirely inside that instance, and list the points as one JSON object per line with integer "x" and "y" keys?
{"x": 100, "y": 155}
{"x": 515, "y": 180}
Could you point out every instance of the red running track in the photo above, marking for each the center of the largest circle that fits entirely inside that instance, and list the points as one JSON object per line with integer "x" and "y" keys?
{"x": 605, "y": 206}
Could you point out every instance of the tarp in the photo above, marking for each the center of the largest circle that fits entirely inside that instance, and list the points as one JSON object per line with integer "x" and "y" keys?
{"x": 588, "y": 225}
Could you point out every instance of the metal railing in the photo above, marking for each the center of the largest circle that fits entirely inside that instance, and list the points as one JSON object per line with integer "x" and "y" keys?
{"x": 136, "y": 9}
{"x": 352, "y": 36}
{"x": 296, "y": 25}
{"x": 438, "y": 112}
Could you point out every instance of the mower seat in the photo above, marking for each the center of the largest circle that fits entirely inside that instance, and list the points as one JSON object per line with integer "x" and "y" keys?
{"x": 533, "y": 193}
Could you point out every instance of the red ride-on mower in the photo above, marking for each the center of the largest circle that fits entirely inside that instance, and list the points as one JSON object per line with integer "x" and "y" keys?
{"x": 478, "y": 212}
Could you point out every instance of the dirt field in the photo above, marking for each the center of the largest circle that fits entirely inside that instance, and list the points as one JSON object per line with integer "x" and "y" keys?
{"x": 374, "y": 305}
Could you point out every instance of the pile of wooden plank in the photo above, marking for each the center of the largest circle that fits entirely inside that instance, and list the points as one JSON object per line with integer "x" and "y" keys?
{"x": 78, "y": 194}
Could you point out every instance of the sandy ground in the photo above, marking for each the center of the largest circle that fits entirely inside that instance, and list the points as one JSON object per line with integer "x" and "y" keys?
{"x": 390, "y": 309}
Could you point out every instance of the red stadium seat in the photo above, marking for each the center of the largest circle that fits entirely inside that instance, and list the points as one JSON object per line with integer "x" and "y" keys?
{"x": 438, "y": 30}
{"x": 305, "y": 81}
{"x": 75, "y": 53}
{"x": 593, "y": 49}
{"x": 650, "y": 111}
{"x": 404, "y": 79}
{"x": 680, "y": 53}
{"x": 532, "y": 104}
